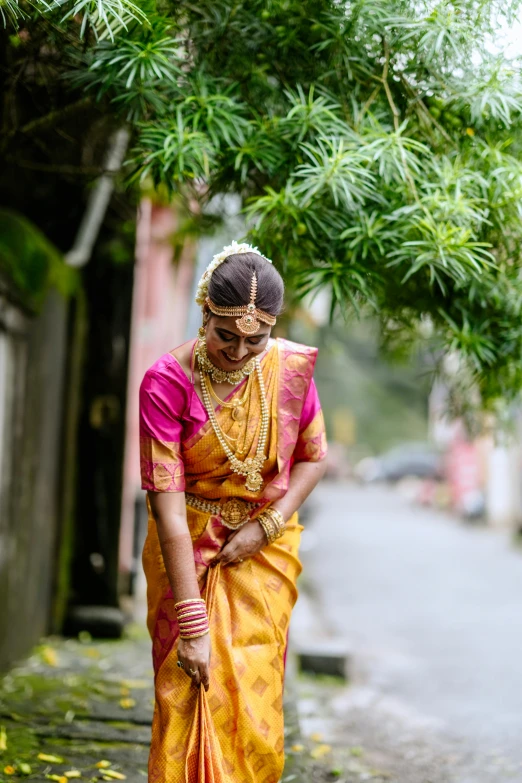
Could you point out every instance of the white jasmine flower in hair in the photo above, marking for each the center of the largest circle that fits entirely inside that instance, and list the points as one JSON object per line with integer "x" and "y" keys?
{"x": 234, "y": 249}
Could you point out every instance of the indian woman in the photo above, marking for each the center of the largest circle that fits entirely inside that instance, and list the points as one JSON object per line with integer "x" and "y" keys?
{"x": 232, "y": 442}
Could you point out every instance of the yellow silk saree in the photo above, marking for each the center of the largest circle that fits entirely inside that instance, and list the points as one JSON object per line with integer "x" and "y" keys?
{"x": 234, "y": 733}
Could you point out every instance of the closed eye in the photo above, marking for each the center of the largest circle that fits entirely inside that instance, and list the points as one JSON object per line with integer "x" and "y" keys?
{"x": 226, "y": 337}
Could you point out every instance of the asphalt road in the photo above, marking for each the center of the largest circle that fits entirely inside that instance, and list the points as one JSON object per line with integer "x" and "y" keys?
{"x": 431, "y": 609}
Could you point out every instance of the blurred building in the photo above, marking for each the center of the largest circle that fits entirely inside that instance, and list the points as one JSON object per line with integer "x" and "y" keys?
{"x": 484, "y": 472}
{"x": 160, "y": 310}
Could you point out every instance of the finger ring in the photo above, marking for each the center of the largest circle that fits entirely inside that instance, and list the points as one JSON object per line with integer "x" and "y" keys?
{"x": 193, "y": 671}
{"x": 180, "y": 664}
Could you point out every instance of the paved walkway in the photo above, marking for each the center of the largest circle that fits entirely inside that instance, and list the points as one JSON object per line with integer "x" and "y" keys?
{"x": 432, "y": 609}
{"x": 78, "y": 704}
{"x": 84, "y": 708}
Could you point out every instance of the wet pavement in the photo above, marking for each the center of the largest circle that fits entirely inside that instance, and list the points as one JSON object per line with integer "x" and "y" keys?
{"x": 430, "y": 609}
{"x": 78, "y": 709}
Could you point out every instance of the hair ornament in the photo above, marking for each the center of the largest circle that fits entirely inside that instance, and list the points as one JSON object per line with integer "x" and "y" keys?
{"x": 230, "y": 250}
{"x": 249, "y": 320}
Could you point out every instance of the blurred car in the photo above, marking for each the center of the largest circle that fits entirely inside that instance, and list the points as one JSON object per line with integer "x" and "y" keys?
{"x": 407, "y": 459}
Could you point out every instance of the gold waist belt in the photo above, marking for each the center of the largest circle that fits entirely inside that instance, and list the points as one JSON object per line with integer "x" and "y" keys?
{"x": 234, "y": 513}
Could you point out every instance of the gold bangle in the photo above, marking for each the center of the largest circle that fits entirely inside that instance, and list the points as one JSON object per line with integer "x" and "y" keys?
{"x": 273, "y": 523}
{"x": 278, "y": 519}
{"x": 268, "y": 525}
{"x": 263, "y": 521}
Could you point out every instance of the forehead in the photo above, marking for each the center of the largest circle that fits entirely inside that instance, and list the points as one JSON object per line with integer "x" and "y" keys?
{"x": 229, "y": 325}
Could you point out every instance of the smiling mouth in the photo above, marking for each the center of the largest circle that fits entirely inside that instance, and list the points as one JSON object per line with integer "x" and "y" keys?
{"x": 231, "y": 360}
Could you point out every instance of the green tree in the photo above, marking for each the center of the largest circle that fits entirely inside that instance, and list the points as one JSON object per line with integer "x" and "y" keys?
{"x": 376, "y": 143}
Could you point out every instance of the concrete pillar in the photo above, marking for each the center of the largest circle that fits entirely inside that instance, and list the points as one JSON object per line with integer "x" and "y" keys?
{"x": 503, "y": 501}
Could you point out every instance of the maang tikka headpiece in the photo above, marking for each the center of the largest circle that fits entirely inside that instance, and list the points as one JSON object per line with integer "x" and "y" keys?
{"x": 249, "y": 316}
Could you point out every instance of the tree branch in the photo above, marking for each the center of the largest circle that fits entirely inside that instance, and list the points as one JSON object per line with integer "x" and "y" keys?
{"x": 425, "y": 111}
{"x": 384, "y": 79}
{"x": 48, "y": 119}
{"x": 98, "y": 201}
{"x": 369, "y": 102}
{"x": 55, "y": 168}
{"x": 396, "y": 118}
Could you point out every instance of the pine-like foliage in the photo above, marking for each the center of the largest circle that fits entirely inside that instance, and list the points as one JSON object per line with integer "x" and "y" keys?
{"x": 376, "y": 144}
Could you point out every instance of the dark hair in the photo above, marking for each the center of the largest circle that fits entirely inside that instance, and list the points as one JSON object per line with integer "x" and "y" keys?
{"x": 230, "y": 283}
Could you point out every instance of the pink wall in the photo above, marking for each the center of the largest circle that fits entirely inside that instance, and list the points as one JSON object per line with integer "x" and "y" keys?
{"x": 160, "y": 307}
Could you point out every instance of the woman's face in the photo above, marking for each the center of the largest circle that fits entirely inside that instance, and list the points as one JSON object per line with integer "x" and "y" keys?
{"x": 228, "y": 348}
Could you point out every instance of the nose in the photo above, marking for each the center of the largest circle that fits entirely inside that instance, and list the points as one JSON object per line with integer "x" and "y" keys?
{"x": 238, "y": 351}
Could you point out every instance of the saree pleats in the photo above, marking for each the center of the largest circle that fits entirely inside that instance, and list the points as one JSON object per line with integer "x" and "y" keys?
{"x": 233, "y": 733}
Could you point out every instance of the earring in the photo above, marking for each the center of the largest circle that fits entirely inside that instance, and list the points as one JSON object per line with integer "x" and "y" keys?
{"x": 201, "y": 333}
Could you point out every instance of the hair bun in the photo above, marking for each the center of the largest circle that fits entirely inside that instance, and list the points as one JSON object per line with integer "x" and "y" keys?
{"x": 234, "y": 249}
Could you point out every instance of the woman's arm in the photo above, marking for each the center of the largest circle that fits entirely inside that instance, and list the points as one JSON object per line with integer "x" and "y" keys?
{"x": 304, "y": 476}
{"x": 170, "y": 513}
{"x": 251, "y": 538}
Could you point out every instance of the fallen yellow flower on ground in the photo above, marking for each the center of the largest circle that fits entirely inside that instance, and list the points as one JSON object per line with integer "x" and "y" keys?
{"x": 320, "y": 751}
{"x": 9, "y": 770}
{"x": 57, "y": 778}
{"x": 3, "y": 739}
{"x": 50, "y": 759}
{"x": 134, "y": 684}
{"x": 25, "y": 769}
{"x": 103, "y": 764}
{"x": 127, "y": 704}
{"x": 49, "y": 656}
{"x": 111, "y": 774}
{"x": 72, "y": 773}
{"x": 317, "y": 737}
{"x": 297, "y": 748}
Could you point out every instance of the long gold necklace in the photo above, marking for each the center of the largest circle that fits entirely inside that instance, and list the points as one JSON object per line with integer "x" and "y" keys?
{"x": 238, "y": 411}
{"x": 251, "y": 467}
{"x": 216, "y": 373}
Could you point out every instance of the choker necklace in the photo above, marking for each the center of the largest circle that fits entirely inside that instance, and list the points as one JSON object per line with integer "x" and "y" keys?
{"x": 216, "y": 373}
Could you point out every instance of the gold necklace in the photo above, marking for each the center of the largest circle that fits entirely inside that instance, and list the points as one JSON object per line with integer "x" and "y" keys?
{"x": 241, "y": 449}
{"x": 216, "y": 373}
{"x": 238, "y": 411}
{"x": 250, "y": 467}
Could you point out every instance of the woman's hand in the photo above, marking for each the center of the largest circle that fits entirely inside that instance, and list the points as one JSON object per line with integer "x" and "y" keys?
{"x": 194, "y": 654}
{"x": 246, "y": 541}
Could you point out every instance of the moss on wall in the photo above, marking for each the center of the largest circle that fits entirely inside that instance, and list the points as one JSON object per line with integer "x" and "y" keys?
{"x": 30, "y": 263}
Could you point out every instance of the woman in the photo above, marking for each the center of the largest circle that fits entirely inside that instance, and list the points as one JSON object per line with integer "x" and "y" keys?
{"x": 232, "y": 442}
